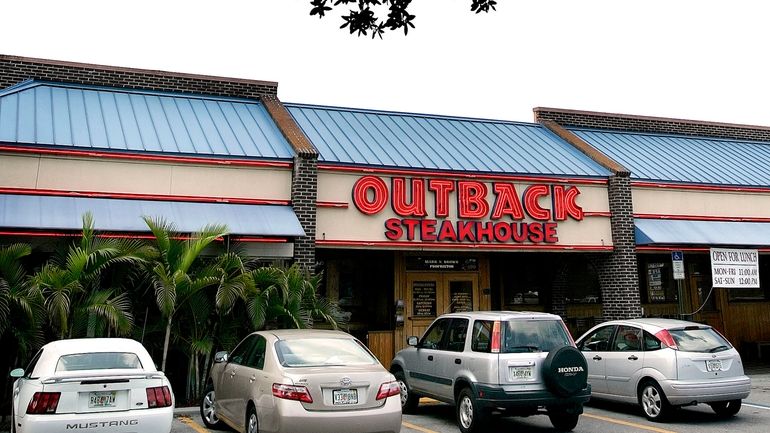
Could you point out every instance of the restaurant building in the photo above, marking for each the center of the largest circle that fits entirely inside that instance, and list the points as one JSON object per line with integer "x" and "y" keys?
{"x": 407, "y": 215}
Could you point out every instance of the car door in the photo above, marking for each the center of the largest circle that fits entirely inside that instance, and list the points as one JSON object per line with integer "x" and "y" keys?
{"x": 229, "y": 388}
{"x": 424, "y": 377}
{"x": 625, "y": 361}
{"x": 450, "y": 360}
{"x": 595, "y": 347}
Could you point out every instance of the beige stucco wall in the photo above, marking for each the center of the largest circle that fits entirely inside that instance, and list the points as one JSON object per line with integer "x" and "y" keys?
{"x": 349, "y": 224}
{"x": 142, "y": 177}
{"x": 661, "y": 201}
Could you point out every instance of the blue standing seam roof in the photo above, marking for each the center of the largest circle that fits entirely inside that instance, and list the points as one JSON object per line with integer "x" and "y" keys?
{"x": 676, "y": 158}
{"x": 690, "y": 232}
{"x": 403, "y": 140}
{"x": 117, "y": 215}
{"x": 79, "y": 116}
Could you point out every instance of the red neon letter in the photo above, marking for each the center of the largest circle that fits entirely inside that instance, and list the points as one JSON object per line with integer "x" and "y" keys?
{"x": 472, "y": 197}
{"x": 531, "y": 196}
{"x": 417, "y": 206}
{"x": 507, "y": 202}
{"x": 361, "y": 194}
{"x": 442, "y": 188}
{"x": 393, "y": 229}
{"x": 564, "y": 203}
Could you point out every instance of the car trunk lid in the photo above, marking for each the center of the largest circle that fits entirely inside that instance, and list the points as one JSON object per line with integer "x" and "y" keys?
{"x": 335, "y": 388}
{"x": 703, "y": 354}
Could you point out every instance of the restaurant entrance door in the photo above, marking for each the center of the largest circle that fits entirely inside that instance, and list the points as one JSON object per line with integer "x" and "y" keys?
{"x": 430, "y": 294}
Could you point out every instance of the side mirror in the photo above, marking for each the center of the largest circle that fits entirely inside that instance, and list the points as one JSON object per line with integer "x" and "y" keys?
{"x": 220, "y": 356}
{"x": 412, "y": 341}
{"x": 17, "y": 373}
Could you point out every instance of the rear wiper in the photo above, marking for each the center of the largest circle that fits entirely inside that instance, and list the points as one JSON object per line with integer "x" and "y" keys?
{"x": 530, "y": 348}
{"x": 718, "y": 348}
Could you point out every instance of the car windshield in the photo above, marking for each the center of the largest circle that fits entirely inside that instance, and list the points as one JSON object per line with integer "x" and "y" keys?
{"x": 98, "y": 361}
{"x": 319, "y": 352}
{"x": 533, "y": 336}
{"x": 696, "y": 339}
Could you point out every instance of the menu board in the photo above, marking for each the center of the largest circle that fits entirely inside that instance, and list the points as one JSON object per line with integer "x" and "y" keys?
{"x": 424, "y": 299}
{"x": 655, "y": 290}
{"x": 461, "y": 296}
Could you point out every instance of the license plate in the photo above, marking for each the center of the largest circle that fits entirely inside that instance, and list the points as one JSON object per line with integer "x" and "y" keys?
{"x": 714, "y": 365}
{"x": 101, "y": 399}
{"x": 520, "y": 372}
{"x": 345, "y": 396}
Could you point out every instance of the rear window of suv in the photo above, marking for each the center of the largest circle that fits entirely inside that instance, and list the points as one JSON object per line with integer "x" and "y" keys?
{"x": 693, "y": 339}
{"x": 533, "y": 336}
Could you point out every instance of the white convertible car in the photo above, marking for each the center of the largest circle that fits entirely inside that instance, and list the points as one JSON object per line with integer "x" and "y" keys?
{"x": 91, "y": 385}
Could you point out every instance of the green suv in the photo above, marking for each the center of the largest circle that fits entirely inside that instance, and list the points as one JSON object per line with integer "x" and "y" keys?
{"x": 496, "y": 362}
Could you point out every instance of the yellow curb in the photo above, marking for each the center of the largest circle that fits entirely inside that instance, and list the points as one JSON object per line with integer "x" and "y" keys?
{"x": 416, "y": 427}
{"x": 195, "y": 426}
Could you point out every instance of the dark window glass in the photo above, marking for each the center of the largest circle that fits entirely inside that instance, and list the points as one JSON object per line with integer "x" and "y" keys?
{"x": 457, "y": 334}
{"x": 533, "y": 336}
{"x": 257, "y": 358}
{"x": 98, "y": 361}
{"x": 32, "y": 364}
{"x": 755, "y": 294}
{"x": 241, "y": 352}
{"x": 482, "y": 336}
{"x": 435, "y": 335}
{"x": 597, "y": 341}
{"x": 696, "y": 339}
{"x": 627, "y": 339}
{"x": 651, "y": 342}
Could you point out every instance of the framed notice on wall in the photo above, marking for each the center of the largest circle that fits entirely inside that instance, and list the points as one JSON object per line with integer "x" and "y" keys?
{"x": 461, "y": 296}
{"x": 424, "y": 299}
{"x": 655, "y": 290}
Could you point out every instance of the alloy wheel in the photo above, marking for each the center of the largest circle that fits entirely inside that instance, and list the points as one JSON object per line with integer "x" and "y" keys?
{"x": 651, "y": 401}
{"x": 209, "y": 411}
{"x": 466, "y": 412}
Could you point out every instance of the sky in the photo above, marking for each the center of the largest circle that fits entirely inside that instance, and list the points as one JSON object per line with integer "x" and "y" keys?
{"x": 691, "y": 59}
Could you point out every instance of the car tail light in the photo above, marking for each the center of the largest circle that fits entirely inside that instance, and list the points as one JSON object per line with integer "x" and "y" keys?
{"x": 291, "y": 392}
{"x": 388, "y": 389}
{"x": 159, "y": 396}
{"x": 665, "y": 337}
{"x": 496, "y": 337}
{"x": 43, "y": 403}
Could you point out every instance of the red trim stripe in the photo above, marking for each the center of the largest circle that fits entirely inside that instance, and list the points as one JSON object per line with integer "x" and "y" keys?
{"x": 144, "y": 157}
{"x": 380, "y": 244}
{"x": 460, "y": 174}
{"x": 337, "y": 204}
{"x": 135, "y": 196}
{"x": 645, "y": 184}
{"x": 657, "y": 248}
{"x": 701, "y": 218}
{"x": 56, "y": 234}
{"x": 597, "y": 214}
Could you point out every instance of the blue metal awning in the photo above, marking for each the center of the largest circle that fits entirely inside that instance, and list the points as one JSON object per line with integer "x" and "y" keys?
{"x": 117, "y": 215}
{"x": 689, "y": 232}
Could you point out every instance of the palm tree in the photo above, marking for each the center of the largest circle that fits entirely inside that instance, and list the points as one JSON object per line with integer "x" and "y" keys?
{"x": 21, "y": 307}
{"x": 75, "y": 297}
{"x": 174, "y": 276}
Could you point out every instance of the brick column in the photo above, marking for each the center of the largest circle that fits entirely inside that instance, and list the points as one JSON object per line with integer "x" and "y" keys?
{"x": 304, "y": 191}
{"x": 618, "y": 271}
{"x": 559, "y": 291}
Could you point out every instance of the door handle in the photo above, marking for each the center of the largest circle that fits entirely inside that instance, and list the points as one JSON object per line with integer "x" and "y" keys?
{"x": 458, "y": 361}
{"x": 252, "y": 378}
{"x": 632, "y": 358}
{"x": 597, "y": 358}
{"x": 430, "y": 357}
{"x": 232, "y": 373}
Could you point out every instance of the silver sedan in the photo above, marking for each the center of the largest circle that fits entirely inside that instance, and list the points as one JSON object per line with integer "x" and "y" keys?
{"x": 664, "y": 363}
{"x": 301, "y": 381}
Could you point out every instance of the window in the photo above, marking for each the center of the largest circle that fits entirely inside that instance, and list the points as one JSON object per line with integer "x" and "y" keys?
{"x": 257, "y": 358}
{"x": 457, "y": 333}
{"x": 651, "y": 342}
{"x": 627, "y": 339}
{"x": 321, "y": 352}
{"x": 657, "y": 279}
{"x": 482, "y": 335}
{"x": 241, "y": 352}
{"x": 695, "y": 339}
{"x": 533, "y": 336}
{"x": 32, "y": 364}
{"x": 755, "y": 294}
{"x": 98, "y": 361}
{"x": 598, "y": 341}
{"x": 435, "y": 334}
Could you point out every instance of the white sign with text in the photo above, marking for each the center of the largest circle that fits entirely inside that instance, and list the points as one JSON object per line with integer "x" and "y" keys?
{"x": 734, "y": 268}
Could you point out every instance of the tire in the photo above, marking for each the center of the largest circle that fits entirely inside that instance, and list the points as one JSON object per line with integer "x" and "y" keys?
{"x": 409, "y": 400}
{"x": 565, "y": 371}
{"x": 252, "y": 423}
{"x": 208, "y": 409}
{"x": 563, "y": 421}
{"x": 470, "y": 418}
{"x": 653, "y": 401}
{"x": 726, "y": 409}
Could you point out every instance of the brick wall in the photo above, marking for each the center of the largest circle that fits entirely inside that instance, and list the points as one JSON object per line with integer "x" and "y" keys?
{"x": 16, "y": 69}
{"x": 303, "y": 199}
{"x": 618, "y": 271}
{"x": 625, "y": 122}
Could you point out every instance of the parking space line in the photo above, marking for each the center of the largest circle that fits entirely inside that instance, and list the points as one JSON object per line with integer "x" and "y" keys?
{"x": 627, "y": 423}
{"x": 195, "y": 426}
{"x": 756, "y": 405}
{"x": 417, "y": 427}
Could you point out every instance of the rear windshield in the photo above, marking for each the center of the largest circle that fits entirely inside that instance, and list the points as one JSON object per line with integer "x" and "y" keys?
{"x": 322, "y": 352}
{"x": 699, "y": 340}
{"x": 533, "y": 336}
{"x": 98, "y": 361}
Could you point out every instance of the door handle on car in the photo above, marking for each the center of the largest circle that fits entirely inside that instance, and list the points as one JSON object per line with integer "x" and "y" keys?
{"x": 430, "y": 357}
{"x": 458, "y": 361}
{"x": 232, "y": 373}
{"x": 597, "y": 358}
{"x": 252, "y": 378}
{"x": 632, "y": 358}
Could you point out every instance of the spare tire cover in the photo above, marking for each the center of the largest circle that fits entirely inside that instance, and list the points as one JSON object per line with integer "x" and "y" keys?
{"x": 565, "y": 371}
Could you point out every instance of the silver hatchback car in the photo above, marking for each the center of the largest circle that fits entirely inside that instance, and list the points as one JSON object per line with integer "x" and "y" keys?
{"x": 294, "y": 381}
{"x": 664, "y": 363}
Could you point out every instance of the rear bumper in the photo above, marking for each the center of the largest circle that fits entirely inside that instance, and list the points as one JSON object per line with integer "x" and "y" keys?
{"x": 291, "y": 417}
{"x": 679, "y": 392}
{"x": 132, "y": 421}
{"x": 495, "y": 397}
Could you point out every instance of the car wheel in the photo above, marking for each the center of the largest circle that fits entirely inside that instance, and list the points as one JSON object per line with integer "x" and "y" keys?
{"x": 726, "y": 409}
{"x": 563, "y": 421}
{"x": 252, "y": 424}
{"x": 470, "y": 418}
{"x": 654, "y": 404}
{"x": 209, "y": 410}
{"x": 409, "y": 400}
